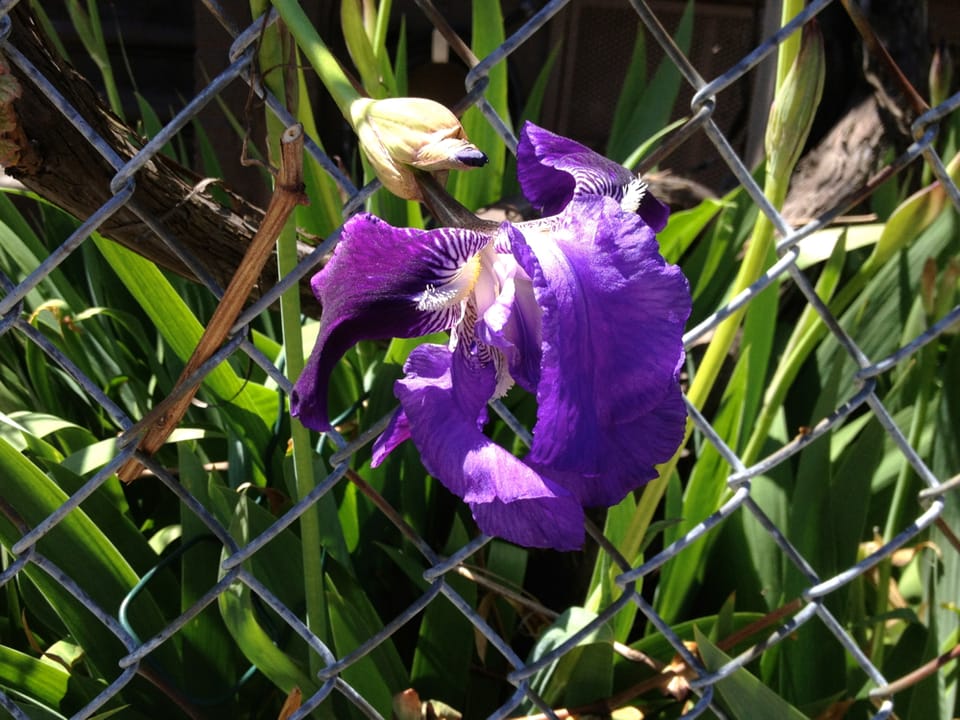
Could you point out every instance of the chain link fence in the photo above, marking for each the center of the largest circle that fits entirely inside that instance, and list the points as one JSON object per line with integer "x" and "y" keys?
{"x": 814, "y": 606}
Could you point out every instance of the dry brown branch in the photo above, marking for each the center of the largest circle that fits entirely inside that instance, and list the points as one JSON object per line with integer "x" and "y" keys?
{"x": 165, "y": 417}
{"x": 58, "y": 163}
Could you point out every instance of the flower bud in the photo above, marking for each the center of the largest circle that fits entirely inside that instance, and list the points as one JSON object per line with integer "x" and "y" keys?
{"x": 795, "y": 104}
{"x": 941, "y": 74}
{"x": 399, "y": 134}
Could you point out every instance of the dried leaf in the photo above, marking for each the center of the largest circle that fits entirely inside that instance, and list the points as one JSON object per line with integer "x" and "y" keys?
{"x": 292, "y": 704}
{"x": 679, "y": 685}
{"x": 406, "y": 705}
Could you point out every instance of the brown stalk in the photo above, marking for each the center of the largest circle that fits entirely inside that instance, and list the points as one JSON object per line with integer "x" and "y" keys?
{"x": 921, "y": 673}
{"x": 948, "y": 533}
{"x": 388, "y": 510}
{"x": 877, "y": 49}
{"x": 288, "y": 193}
{"x": 455, "y": 42}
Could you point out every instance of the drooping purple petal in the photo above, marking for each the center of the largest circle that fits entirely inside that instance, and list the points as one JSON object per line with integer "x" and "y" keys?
{"x": 613, "y": 318}
{"x": 444, "y": 398}
{"x": 619, "y": 457}
{"x": 553, "y": 170}
{"x": 382, "y": 282}
{"x": 396, "y": 432}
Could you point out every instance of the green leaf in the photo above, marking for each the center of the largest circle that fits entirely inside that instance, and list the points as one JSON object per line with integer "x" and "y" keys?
{"x": 49, "y": 30}
{"x": 400, "y": 60}
{"x": 180, "y": 327}
{"x": 78, "y": 546}
{"x": 927, "y": 697}
{"x": 707, "y": 486}
{"x": 507, "y": 564}
{"x": 380, "y": 674}
{"x": 684, "y": 227}
{"x": 208, "y": 650}
{"x": 362, "y": 52}
{"x": 42, "y": 425}
{"x": 911, "y": 218}
{"x": 152, "y": 124}
{"x": 250, "y": 409}
{"x": 630, "y": 95}
{"x": 442, "y": 660}
{"x": 582, "y": 675}
{"x": 45, "y": 682}
{"x": 603, "y": 588}
{"x": 743, "y": 694}
{"x": 239, "y": 614}
{"x": 531, "y": 112}
{"x": 483, "y": 186}
{"x": 647, "y": 144}
{"x": 820, "y": 245}
{"x": 90, "y": 32}
{"x": 324, "y": 213}
{"x": 649, "y": 110}
{"x": 21, "y": 250}
{"x": 89, "y": 459}
{"x": 712, "y": 263}
{"x": 277, "y": 566}
{"x": 35, "y": 712}
{"x": 945, "y": 459}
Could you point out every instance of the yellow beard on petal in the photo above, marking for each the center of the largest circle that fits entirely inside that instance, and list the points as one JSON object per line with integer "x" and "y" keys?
{"x": 452, "y": 292}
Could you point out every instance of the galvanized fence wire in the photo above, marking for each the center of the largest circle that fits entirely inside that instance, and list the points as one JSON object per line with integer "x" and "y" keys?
{"x": 739, "y": 499}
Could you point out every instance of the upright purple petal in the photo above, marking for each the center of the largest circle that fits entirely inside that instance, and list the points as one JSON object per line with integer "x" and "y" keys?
{"x": 444, "y": 398}
{"x": 553, "y": 170}
{"x": 653, "y": 212}
{"x": 613, "y": 318}
{"x": 382, "y": 282}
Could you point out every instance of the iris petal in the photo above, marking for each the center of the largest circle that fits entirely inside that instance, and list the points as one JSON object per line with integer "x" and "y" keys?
{"x": 511, "y": 323}
{"x": 553, "y": 170}
{"x": 444, "y": 397}
{"x": 396, "y": 432}
{"x": 613, "y": 317}
{"x": 383, "y": 282}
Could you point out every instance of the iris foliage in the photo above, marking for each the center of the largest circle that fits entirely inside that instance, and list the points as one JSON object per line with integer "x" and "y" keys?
{"x": 348, "y": 568}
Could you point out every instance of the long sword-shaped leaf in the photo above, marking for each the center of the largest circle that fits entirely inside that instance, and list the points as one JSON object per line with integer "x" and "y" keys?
{"x": 484, "y": 185}
{"x": 78, "y": 547}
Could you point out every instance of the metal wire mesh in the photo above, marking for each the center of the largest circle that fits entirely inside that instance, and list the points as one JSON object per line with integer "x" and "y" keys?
{"x": 740, "y": 499}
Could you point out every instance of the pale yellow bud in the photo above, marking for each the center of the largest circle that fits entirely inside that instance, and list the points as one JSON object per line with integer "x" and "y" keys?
{"x": 399, "y": 134}
{"x": 795, "y": 104}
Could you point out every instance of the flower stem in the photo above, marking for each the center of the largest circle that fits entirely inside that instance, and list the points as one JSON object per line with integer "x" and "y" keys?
{"x": 273, "y": 54}
{"x": 790, "y": 47}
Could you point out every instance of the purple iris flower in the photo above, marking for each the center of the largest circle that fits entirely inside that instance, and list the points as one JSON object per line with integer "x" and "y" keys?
{"x": 578, "y": 308}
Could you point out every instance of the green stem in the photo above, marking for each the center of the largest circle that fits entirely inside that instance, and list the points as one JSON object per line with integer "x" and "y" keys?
{"x": 789, "y": 48}
{"x": 90, "y": 30}
{"x": 272, "y": 55}
{"x": 328, "y": 69}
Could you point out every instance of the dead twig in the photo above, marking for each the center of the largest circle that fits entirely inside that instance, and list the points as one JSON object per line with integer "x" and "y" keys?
{"x": 288, "y": 193}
